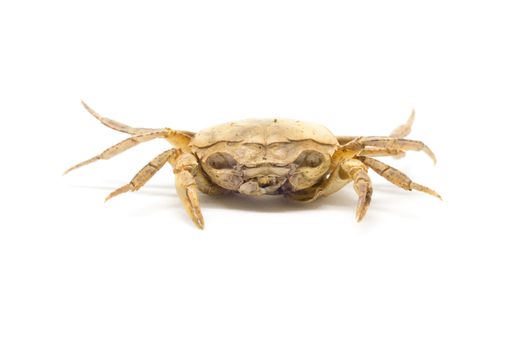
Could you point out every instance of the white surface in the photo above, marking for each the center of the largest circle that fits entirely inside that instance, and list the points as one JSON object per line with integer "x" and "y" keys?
{"x": 134, "y": 273}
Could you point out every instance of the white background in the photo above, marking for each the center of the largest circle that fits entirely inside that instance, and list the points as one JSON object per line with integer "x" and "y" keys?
{"x": 134, "y": 273}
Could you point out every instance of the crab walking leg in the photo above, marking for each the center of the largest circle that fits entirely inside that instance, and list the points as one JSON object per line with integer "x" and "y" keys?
{"x": 396, "y": 144}
{"x": 116, "y": 125}
{"x": 382, "y": 152}
{"x": 113, "y": 124}
{"x": 146, "y": 173}
{"x": 399, "y": 132}
{"x": 121, "y": 147}
{"x": 185, "y": 169}
{"x": 403, "y": 130}
{"x": 396, "y": 177}
{"x": 176, "y": 138}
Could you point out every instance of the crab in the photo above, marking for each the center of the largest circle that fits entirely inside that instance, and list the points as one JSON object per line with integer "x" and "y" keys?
{"x": 299, "y": 160}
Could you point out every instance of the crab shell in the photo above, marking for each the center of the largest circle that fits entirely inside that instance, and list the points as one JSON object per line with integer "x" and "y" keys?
{"x": 261, "y": 156}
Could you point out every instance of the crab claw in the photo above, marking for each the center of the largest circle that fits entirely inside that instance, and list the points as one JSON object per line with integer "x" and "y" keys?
{"x": 187, "y": 191}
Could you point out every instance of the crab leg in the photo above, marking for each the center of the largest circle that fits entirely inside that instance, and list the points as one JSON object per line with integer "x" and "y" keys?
{"x": 382, "y": 152}
{"x": 399, "y": 132}
{"x": 122, "y": 146}
{"x": 403, "y": 130}
{"x": 396, "y": 144}
{"x": 185, "y": 169}
{"x": 184, "y": 165}
{"x": 396, "y": 177}
{"x": 113, "y": 124}
{"x": 146, "y": 173}
{"x": 116, "y": 125}
{"x": 179, "y": 139}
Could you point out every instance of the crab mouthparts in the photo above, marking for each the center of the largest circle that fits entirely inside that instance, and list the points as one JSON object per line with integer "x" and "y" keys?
{"x": 262, "y": 185}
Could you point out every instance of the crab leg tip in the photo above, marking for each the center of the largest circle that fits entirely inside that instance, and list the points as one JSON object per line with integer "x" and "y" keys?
{"x": 111, "y": 195}
{"x": 120, "y": 190}
{"x": 90, "y": 110}
{"x": 435, "y": 194}
{"x": 421, "y": 188}
{"x": 431, "y": 154}
{"x": 199, "y": 222}
{"x": 360, "y": 214}
{"x": 199, "y": 219}
{"x": 412, "y": 117}
{"x": 70, "y": 169}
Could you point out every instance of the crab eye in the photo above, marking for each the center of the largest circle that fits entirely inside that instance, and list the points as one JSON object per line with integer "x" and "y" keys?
{"x": 310, "y": 159}
{"x": 221, "y": 160}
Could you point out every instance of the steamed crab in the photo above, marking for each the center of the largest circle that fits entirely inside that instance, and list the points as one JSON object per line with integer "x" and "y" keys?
{"x": 299, "y": 160}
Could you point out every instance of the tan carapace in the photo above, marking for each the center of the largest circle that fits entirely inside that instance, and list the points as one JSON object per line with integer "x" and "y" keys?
{"x": 299, "y": 160}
